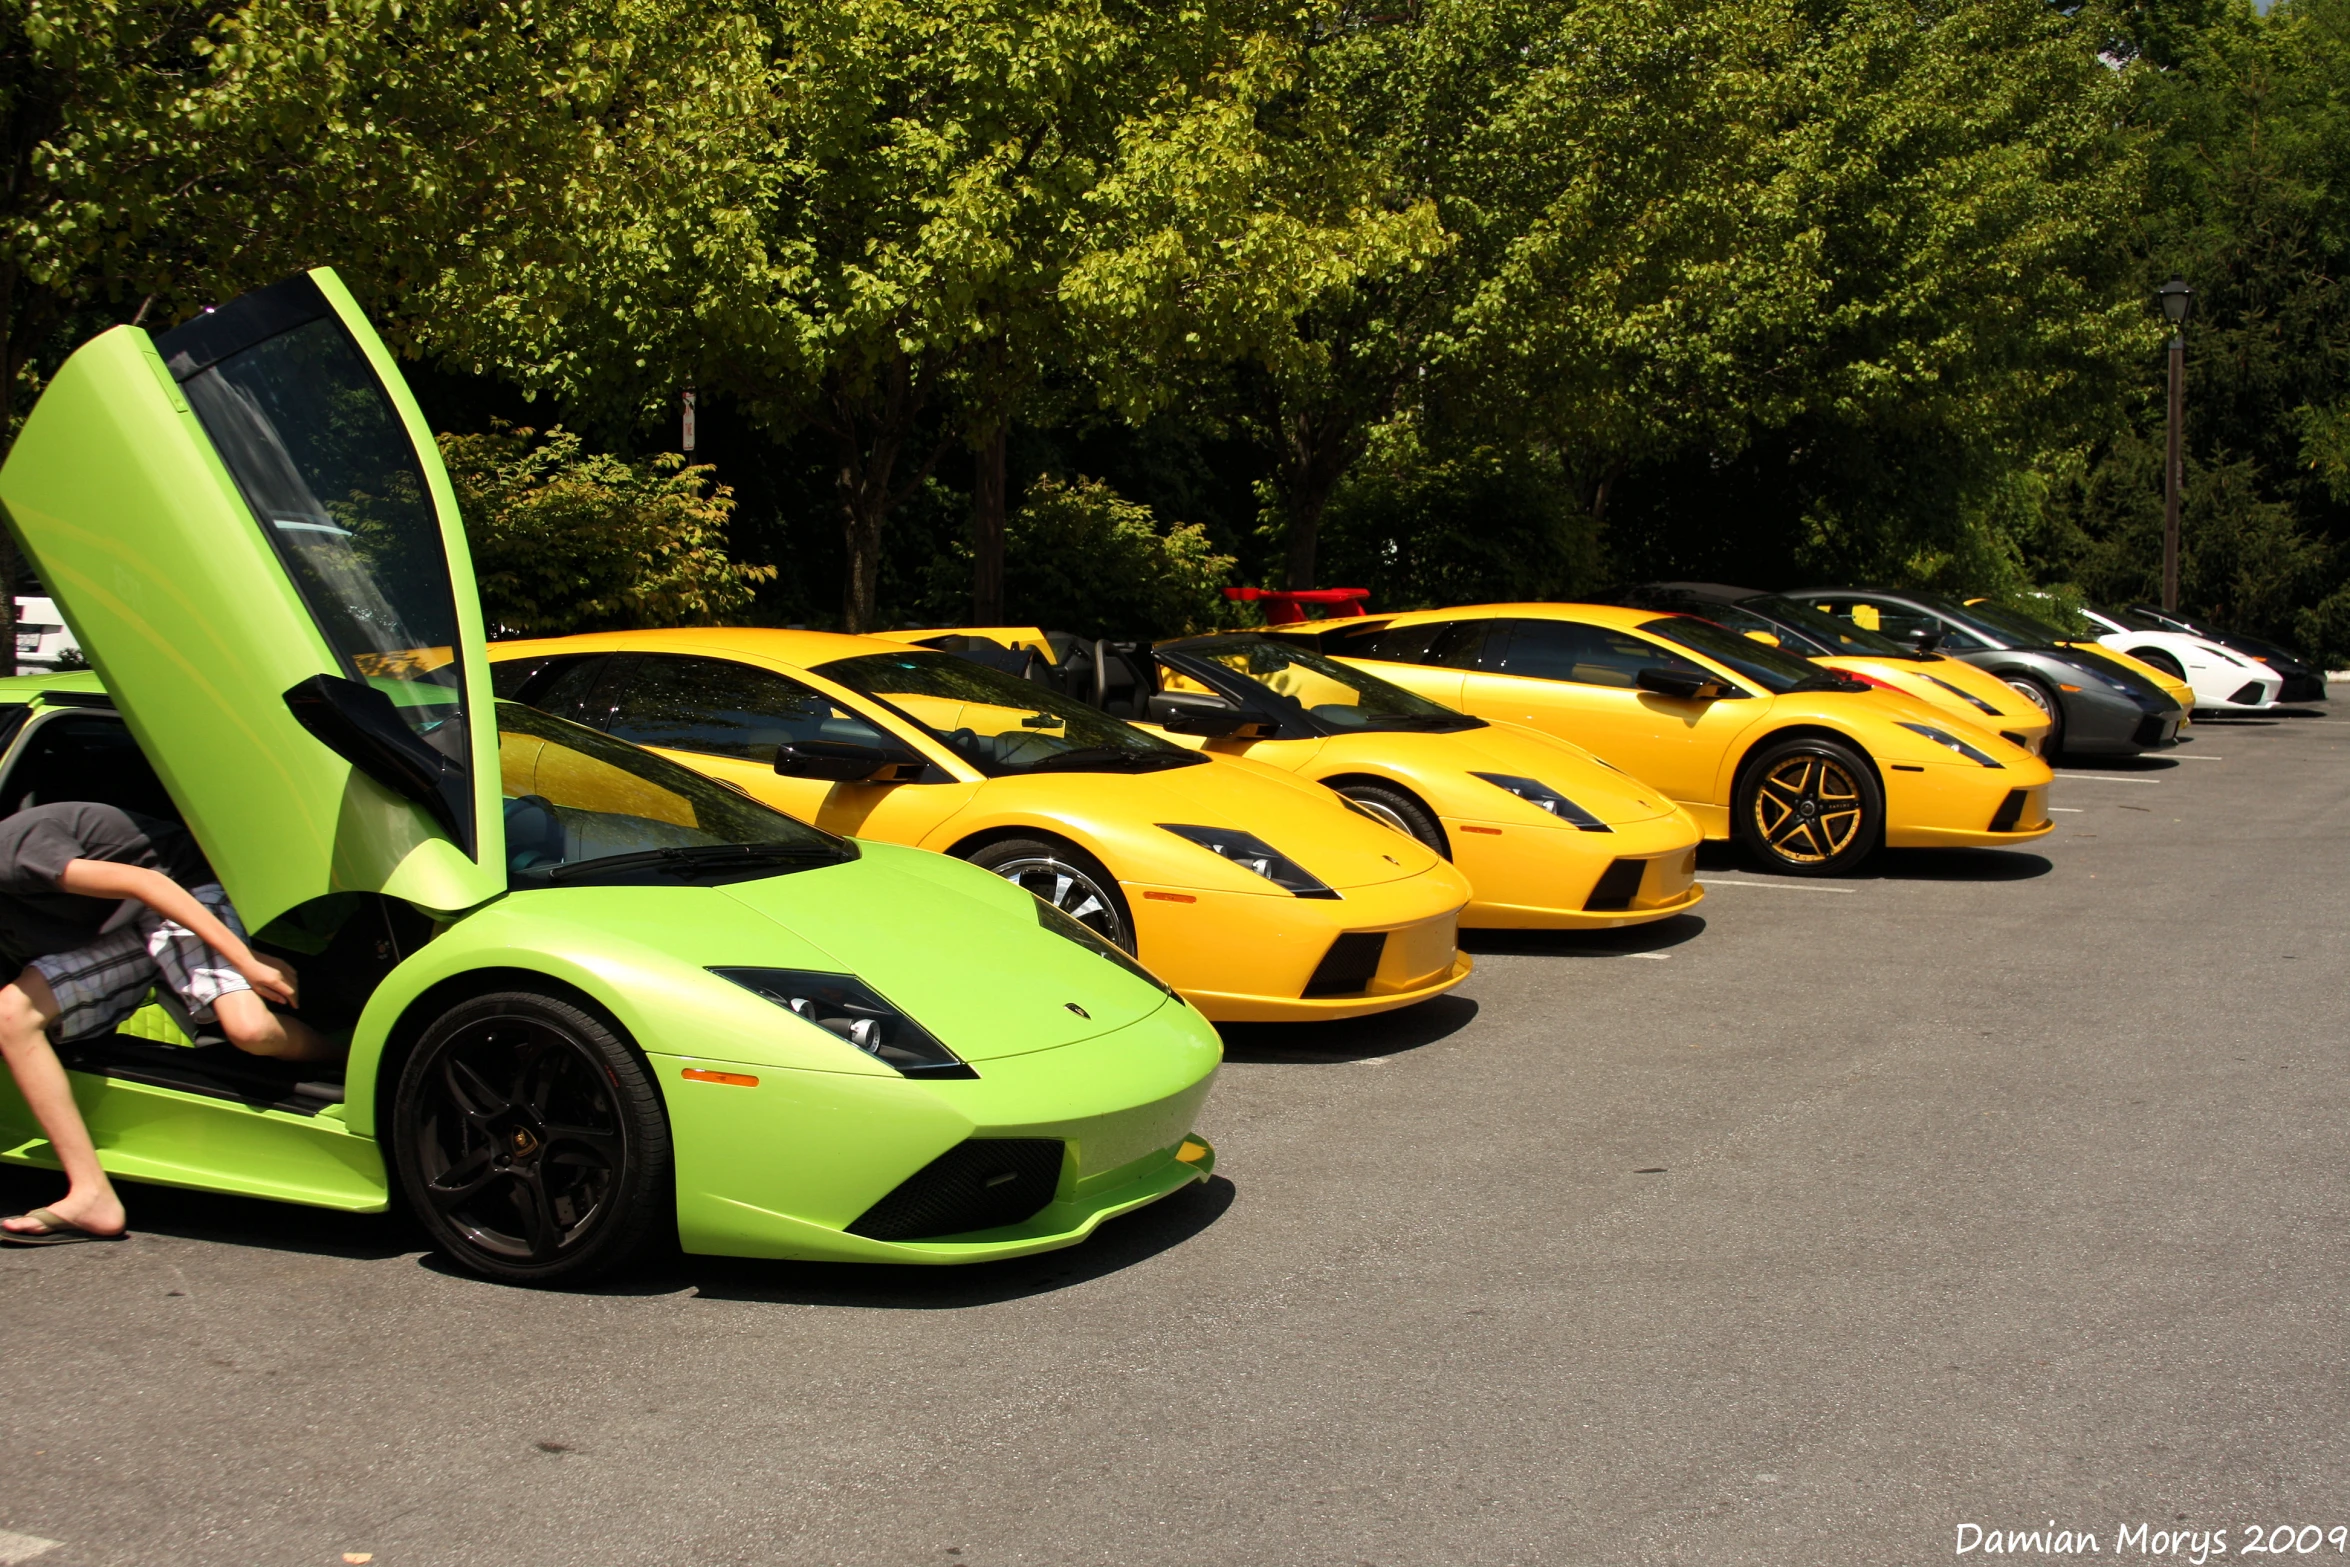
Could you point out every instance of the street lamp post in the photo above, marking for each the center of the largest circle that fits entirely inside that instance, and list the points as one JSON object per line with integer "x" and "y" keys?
{"x": 2178, "y": 303}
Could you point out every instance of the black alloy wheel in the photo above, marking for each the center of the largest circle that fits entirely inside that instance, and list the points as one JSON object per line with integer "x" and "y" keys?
{"x": 1066, "y": 877}
{"x": 1392, "y": 807}
{"x": 2046, "y": 701}
{"x": 531, "y": 1141}
{"x": 1809, "y": 807}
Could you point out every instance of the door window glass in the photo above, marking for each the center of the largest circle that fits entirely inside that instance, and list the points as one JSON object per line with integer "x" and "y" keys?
{"x": 1587, "y": 655}
{"x": 580, "y": 691}
{"x": 1000, "y": 723}
{"x": 720, "y": 708}
{"x": 326, "y": 466}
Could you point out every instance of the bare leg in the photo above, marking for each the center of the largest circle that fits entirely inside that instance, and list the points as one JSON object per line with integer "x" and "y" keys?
{"x": 27, "y": 1008}
{"x": 258, "y": 1031}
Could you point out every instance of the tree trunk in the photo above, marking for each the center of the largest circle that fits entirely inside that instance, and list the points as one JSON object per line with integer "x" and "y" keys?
{"x": 1305, "y": 527}
{"x": 863, "y": 511}
{"x": 988, "y": 505}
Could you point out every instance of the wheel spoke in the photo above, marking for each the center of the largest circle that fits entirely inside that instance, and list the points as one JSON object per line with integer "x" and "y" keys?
{"x": 473, "y": 1095}
{"x": 606, "y": 1146}
{"x": 462, "y": 1181}
{"x": 539, "y": 1229}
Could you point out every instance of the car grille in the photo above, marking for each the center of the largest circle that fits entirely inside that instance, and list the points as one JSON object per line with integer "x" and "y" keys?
{"x": 976, "y": 1185}
{"x": 2246, "y": 694}
{"x": 1618, "y": 885}
{"x": 1349, "y": 966}
{"x": 2303, "y": 688}
{"x": 2004, "y": 819}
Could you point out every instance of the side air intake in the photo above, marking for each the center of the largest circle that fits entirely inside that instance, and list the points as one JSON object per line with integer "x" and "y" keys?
{"x": 977, "y": 1185}
{"x": 1618, "y": 885}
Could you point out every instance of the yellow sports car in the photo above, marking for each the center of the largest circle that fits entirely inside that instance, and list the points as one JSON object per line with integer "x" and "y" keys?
{"x": 1255, "y": 895}
{"x": 1810, "y": 768}
{"x": 1548, "y": 836}
{"x": 1952, "y": 684}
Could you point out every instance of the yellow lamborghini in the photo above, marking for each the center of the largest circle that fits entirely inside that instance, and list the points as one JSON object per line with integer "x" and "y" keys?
{"x": 1255, "y": 895}
{"x": 1810, "y": 768}
{"x": 1549, "y": 837}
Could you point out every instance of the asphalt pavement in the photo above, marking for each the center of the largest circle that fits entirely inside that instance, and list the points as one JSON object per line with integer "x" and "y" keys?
{"x": 1992, "y": 1190}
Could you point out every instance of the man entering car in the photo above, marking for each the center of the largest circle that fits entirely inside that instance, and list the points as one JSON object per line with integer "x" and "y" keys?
{"x": 98, "y": 907}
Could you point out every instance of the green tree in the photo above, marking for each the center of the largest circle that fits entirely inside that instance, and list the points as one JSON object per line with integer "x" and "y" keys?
{"x": 567, "y": 540}
{"x": 1084, "y": 558}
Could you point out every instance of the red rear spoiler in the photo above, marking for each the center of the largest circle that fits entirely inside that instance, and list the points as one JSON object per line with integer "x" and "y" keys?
{"x": 1287, "y": 606}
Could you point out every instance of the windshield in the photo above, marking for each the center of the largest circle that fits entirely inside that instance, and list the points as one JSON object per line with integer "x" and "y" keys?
{"x": 1838, "y": 635}
{"x": 1775, "y": 671}
{"x": 326, "y": 467}
{"x": 2038, "y": 627}
{"x": 1000, "y": 723}
{"x": 1321, "y": 688}
{"x": 583, "y": 807}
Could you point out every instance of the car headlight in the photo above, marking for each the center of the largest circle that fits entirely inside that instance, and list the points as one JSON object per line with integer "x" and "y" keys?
{"x": 1064, "y": 924}
{"x": 1945, "y": 738}
{"x": 848, "y": 1008}
{"x": 1250, "y": 852}
{"x": 1545, "y": 797}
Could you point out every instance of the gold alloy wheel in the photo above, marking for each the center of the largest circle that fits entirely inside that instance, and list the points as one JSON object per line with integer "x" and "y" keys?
{"x": 1809, "y": 808}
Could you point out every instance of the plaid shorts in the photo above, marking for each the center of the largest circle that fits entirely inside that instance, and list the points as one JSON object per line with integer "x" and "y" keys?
{"x": 99, "y": 985}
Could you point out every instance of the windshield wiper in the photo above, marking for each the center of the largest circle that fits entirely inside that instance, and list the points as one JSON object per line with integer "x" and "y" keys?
{"x": 701, "y": 859}
{"x": 1108, "y": 758}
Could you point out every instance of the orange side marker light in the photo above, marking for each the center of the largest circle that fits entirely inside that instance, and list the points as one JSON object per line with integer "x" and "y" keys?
{"x": 695, "y": 1074}
{"x": 1491, "y": 832}
{"x": 1170, "y": 897}
{"x": 1192, "y": 1151}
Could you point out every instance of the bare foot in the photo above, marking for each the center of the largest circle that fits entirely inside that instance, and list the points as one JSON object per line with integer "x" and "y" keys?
{"x": 97, "y": 1212}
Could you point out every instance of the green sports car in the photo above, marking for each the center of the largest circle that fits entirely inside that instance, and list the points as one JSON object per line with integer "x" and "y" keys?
{"x": 589, "y": 995}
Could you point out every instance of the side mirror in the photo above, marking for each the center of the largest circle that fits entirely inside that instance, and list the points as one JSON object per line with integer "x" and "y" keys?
{"x": 1211, "y": 717}
{"x": 842, "y": 762}
{"x": 1678, "y": 683}
{"x": 1925, "y": 641}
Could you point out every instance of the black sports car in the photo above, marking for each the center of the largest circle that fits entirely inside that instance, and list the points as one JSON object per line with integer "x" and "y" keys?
{"x": 2304, "y": 681}
{"x": 2098, "y": 707}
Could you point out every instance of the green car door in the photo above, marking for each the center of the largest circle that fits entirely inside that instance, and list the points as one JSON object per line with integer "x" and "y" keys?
{"x": 247, "y": 525}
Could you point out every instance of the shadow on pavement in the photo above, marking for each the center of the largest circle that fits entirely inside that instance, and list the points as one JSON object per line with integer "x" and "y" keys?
{"x": 233, "y": 1221}
{"x": 1954, "y": 865}
{"x": 1116, "y": 1246}
{"x": 2113, "y": 764}
{"x": 1358, "y": 1039}
{"x": 1657, "y": 937}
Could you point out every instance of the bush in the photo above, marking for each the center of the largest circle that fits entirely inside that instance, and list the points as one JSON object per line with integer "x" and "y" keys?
{"x": 568, "y": 540}
{"x": 1083, "y": 558}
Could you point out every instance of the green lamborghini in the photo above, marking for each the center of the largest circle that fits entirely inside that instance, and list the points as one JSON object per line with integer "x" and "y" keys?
{"x": 591, "y": 998}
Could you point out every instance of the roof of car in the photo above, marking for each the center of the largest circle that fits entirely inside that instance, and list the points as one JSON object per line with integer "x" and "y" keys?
{"x": 800, "y": 649}
{"x": 23, "y": 688}
{"x": 1591, "y": 614}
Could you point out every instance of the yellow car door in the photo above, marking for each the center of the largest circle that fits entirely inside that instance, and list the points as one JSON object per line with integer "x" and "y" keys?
{"x": 725, "y": 717}
{"x": 1581, "y": 683}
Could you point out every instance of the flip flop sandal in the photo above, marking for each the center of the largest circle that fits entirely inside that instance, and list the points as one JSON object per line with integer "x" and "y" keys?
{"x": 57, "y": 1232}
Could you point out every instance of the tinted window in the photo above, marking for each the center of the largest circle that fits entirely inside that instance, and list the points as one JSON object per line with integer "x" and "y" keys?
{"x": 573, "y": 796}
{"x": 579, "y": 690}
{"x": 1829, "y": 633}
{"x": 1338, "y": 695}
{"x": 1771, "y": 668}
{"x": 1001, "y": 723}
{"x": 1586, "y": 655}
{"x": 721, "y": 708}
{"x": 1900, "y": 622}
{"x": 326, "y": 467}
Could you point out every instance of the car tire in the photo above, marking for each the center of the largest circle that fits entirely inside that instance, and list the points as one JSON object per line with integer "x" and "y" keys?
{"x": 531, "y": 1141}
{"x": 2161, "y": 659}
{"x": 1066, "y": 877}
{"x": 1396, "y": 809}
{"x": 1809, "y": 807}
{"x": 2046, "y": 701}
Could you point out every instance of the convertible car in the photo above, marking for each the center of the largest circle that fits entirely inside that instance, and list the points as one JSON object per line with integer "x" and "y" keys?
{"x": 1810, "y": 768}
{"x": 2097, "y": 705}
{"x": 1257, "y": 896}
{"x": 590, "y": 996}
{"x": 1549, "y": 837}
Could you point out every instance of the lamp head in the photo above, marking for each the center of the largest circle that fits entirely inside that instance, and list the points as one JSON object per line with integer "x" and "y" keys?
{"x": 2178, "y": 301}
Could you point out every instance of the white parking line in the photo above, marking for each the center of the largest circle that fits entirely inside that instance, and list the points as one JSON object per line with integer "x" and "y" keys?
{"x": 2198, "y": 758}
{"x": 2069, "y": 810}
{"x": 1778, "y": 886}
{"x": 2107, "y": 778}
{"x": 16, "y": 1548}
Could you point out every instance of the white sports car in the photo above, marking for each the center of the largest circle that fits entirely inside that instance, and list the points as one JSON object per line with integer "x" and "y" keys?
{"x": 2224, "y": 682}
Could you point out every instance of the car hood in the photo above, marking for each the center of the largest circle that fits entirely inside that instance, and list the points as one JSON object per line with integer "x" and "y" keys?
{"x": 1615, "y": 797}
{"x": 1303, "y": 821}
{"x": 959, "y": 949}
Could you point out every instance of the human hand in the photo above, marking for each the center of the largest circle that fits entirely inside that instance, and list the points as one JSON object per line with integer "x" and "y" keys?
{"x": 272, "y": 979}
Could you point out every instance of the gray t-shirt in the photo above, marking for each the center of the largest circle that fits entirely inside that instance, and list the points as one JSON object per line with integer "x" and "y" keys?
{"x": 37, "y": 844}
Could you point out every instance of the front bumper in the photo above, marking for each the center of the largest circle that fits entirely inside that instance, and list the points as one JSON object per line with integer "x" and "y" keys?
{"x": 1272, "y": 958}
{"x": 787, "y": 1167}
{"x": 1561, "y": 878}
{"x": 1964, "y": 807}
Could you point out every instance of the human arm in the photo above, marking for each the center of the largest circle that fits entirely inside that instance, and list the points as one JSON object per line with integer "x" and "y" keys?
{"x": 108, "y": 879}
